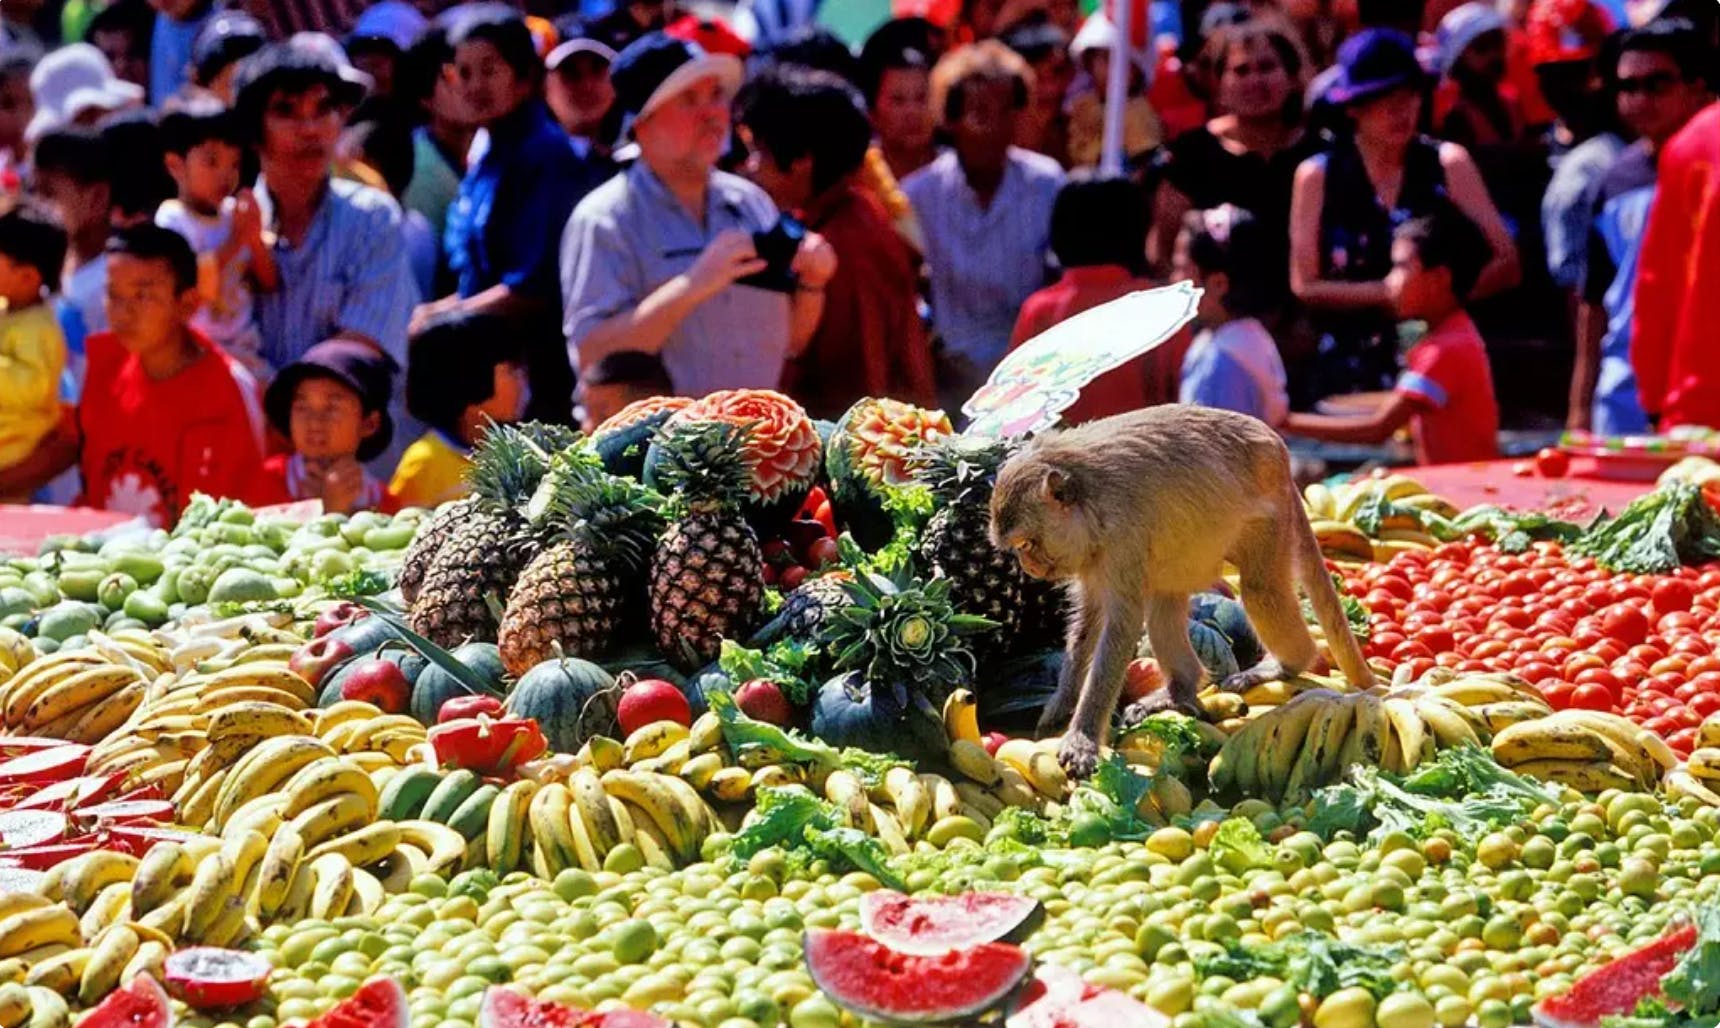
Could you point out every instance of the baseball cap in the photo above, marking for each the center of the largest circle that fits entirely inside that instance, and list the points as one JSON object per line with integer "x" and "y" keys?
{"x": 711, "y": 34}
{"x": 568, "y": 47}
{"x": 1566, "y": 30}
{"x": 360, "y": 367}
{"x": 392, "y": 21}
{"x": 71, "y": 80}
{"x": 226, "y": 37}
{"x": 656, "y": 66}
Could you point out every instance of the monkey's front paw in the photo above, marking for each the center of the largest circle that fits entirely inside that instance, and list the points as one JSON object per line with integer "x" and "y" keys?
{"x": 1079, "y": 755}
{"x": 1158, "y": 703}
{"x": 1266, "y": 671}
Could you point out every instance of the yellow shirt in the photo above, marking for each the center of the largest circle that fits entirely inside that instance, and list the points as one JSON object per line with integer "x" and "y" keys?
{"x": 1087, "y": 128}
{"x": 32, "y": 357}
{"x": 430, "y": 472}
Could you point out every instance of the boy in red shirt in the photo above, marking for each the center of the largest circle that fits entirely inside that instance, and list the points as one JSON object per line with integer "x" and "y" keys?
{"x": 1445, "y": 393}
{"x": 165, "y": 412}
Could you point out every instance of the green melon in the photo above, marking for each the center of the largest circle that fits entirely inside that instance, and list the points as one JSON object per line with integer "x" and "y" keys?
{"x": 622, "y": 442}
{"x": 571, "y": 699}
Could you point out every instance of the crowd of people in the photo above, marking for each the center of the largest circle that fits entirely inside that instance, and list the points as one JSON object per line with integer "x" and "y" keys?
{"x": 287, "y": 252}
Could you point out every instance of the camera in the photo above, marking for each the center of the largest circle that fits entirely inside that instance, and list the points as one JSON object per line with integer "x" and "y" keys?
{"x": 777, "y": 246}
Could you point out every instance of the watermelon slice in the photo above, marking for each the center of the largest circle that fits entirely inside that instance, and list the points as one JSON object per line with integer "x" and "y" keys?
{"x": 507, "y": 1008}
{"x": 930, "y": 925}
{"x": 870, "y": 979}
{"x": 1617, "y": 986}
{"x": 21, "y": 828}
{"x": 209, "y": 978}
{"x": 40, "y": 767}
{"x": 1059, "y": 998}
{"x": 141, "y": 1004}
{"x": 73, "y": 792}
{"x": 128, "y": 812}
{"x": 378, "y": 1003}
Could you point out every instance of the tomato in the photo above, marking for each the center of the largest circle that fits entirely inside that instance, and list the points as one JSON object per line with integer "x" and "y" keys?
{"x": 1705, "y": 704}
{"x": 1591, "y": 697}
{"x": 1557, "y": 692}
{"x": 1672, "y": 594}
{"x": 1437, "y": 639}
{"x": 1682, "y": 741}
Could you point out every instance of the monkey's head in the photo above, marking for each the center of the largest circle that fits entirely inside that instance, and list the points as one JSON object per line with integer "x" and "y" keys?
{"x": 1037, "y": 514}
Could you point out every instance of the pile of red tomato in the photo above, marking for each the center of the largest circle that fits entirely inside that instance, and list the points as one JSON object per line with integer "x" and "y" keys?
{"x": 1635, "y": 645}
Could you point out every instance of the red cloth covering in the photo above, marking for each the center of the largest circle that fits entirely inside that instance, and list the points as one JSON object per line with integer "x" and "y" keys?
{"x": 148, "y": 445}
{"x": 1147, "y": 380}
{"x": 870, "y": 341}
{"x": 1672, "y": 345}
{"x": 1449, "y": 381}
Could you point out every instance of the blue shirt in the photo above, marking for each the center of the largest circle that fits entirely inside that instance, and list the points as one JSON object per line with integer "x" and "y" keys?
{"x": 984, "y": 261}
{"x": 1622, "y": 205}
{"x": 170, "y": 55}
{"x": 1568, "y": 206}
{"x": 631, "y": 235}
{"x": 522, "y": 181}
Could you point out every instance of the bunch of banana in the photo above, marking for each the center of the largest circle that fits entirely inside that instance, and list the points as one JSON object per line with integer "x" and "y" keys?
{"x": 200, "y": 642}
{"x": 370, "y": 736}
{"x": 1332, "y": 510}
{"x": 1499, "y": 698}
{"x": 80, "y": 696}
{"x": 1586, "y": 750}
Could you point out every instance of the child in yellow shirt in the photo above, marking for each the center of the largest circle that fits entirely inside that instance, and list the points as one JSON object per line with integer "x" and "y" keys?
{"x": 32, "y": 349}
{"x": 463, "y": 372}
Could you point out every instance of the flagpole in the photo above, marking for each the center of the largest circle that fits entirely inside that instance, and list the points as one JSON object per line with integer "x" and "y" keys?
{"x": 1117, "y": 86}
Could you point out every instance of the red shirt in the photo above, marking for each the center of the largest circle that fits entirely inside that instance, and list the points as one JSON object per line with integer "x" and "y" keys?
{"x": 148, "y": 445}
{"x": 1678, "y": 282}
{"x": 1147, "y": 380}
{"x": 1449, "y": 381}
{"x": 870, "y": 341}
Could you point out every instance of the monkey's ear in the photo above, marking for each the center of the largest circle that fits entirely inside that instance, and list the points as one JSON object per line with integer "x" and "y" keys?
{"x": 1058, "y": 487}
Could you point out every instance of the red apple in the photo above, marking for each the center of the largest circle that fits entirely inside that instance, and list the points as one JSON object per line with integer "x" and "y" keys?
{"x": 1143, "y": 678}
{"x": 791, "y": 578}
{"x": 338, "y": 616}
{"x": 824, "y": 553}
{"x": 651, "y": 699}
{"x": 315, "y": 659}
{"x": 469, "y": 705}
{"x": 992, "y": 741}
{"x": 762, "y": 700}
{"x": 802, "y": 533}
{"x": 379, "y": 682}
{"x": 776, "y": 553}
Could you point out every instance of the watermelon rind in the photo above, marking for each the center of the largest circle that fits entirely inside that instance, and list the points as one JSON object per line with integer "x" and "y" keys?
{"x": 867, "y": 978}
{"x": 571, "y": 700}
{"x": 933, "y": 925}
{"x": 141, "y": 1004}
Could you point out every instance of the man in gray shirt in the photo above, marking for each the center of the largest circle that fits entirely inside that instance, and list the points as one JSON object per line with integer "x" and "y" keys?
{"x": 650, "y": 260}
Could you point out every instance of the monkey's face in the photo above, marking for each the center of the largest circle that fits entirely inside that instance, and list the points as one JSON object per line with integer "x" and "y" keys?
{"x": 1034, "y": 517}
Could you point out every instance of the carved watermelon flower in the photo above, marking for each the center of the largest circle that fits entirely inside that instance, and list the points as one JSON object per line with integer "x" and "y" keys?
{"x": 891, "y": 432}
{"x": 783, "y": 449}
{"x": 639, "y": 410}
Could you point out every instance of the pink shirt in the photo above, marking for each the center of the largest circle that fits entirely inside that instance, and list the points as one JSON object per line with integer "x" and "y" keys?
{"x": 1449, "y": 381}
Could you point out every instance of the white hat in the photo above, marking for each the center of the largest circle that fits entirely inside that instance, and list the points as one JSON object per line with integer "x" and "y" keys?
{"x": 567, "y": 48}
{"x": 81, "y": 73}
{"x": 1097, "y": 33}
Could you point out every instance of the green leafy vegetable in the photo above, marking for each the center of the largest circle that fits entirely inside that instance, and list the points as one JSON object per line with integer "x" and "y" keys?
{"x": 748, "y": 737}
{"x": 909, "y": 508}
{"x": 1371, "y": 517}
{"x": 1112, "y": 795}
{"x": 1464, "y": 791}
{"x": 808, "y": 828}
{"x": 1695, "y": 983}
{"x": 1671, "y": 526}
{"x": 1512, "y": 531}
{"x": 1175, "y": 738}
{"x": 356, "y": 583}
{"x": 1316, "y": 964}
{"x": 1238, "y": 847}
{"x": 1355, "y": 612}
{"x": 785, "y": 663}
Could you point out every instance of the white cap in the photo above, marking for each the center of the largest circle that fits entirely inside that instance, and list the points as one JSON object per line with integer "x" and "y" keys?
{"x": 71, "y": 80}
{"x": 567, "y": 48}
{"x": 1097, "y": 33}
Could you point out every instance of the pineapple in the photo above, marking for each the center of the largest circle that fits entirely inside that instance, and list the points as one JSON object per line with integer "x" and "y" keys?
{"x": 707, "y": 579}
{"x": 1044, "y": 617}
{"x": 956, "y": 546}
{"x": 586, "y": 585}
{"x": 474, "y": 568}
{"x": 428, "y": 541}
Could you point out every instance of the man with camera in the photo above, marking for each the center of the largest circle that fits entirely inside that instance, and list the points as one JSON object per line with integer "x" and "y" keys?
{"x": 677, "y": 259}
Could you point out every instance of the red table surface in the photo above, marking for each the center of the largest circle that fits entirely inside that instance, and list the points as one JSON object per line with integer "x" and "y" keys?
{"x": 22, "y": 529}
{"x": 1575, "y": 497}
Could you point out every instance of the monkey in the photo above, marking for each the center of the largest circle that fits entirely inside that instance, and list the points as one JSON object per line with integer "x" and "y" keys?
{"x": 1137, "y": 512}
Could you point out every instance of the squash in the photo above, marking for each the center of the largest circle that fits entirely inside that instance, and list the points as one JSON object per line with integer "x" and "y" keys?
{"x": 849, "y": 712}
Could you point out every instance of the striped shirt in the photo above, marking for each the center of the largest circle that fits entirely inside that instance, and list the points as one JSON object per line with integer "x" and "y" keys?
{"x": 984, "y": 261}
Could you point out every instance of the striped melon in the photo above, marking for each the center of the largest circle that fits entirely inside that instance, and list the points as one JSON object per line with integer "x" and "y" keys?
{"x": 571, "y": 699}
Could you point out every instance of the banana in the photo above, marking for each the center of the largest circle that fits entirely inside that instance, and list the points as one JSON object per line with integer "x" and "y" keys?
{"x": 1431, "y": 504}
{"x": 15, "y": 1005}
{"x": 394, "y": 872}
{"x": 325, "y": 779}
{"x": 580, "y": 838}
{"x": 1546, "y": 739}
{"x": 1046, "y": 776}
{"x": 909, "y": 798}
{"x": 76, "y": 693}
{"x": 1233, "y": 766}
{"x": 548, "y": 814}
{"x": 60, "y": 973}
{"x": 602, "y": 753}
{"x": 970, "y": 760}
{"x": 108, "y": 958}
{"x": 333, "y": 888}
{"x": 698, "y": 770}
{"x": 961, "y": 716}
{"x": 275, "y": 874}
{"x": 1284, "y": 739}
{"x": 262, "y": 815}
{"x": 275, "y": 676}
{"x": 341, "y": 812}
{"x": 263, "y": 770}
{"x": 1583, "y": 776}
{"x": 594, "y": 809}
{"x": 344, "y": 711}
{"x": 367, "y": 894}
{"x": 444, "y": 846}
{"x": 973, "y": 798}
{"x": 90, "y": 873}
{"x": 1415, "y": 742}
{"x": 946, "y": 802}
{"x": 361, "y": 846}
{"x": 1479, "y": 690}
{"x": 102, "y": 718}
{"x": 1343, "y": 541}
{"x": 18, "y": 902}
{"x": 48, "y": 1009}
{"x": 1679, "y": 783}
{"x": 41, "y": 926}
{"x": 1365, "y": 744}
{"x": 1704, "y": 764}
{"x": 28, "y": 685}
{"x": 505, "y": 835}
{"x": 1639, "y": 743}
{"x": 844, "y": 790}
{"x": 653, "y": 845}
{"x": 209, "y": 702}
{"x": 651, "y": 795}
{"x": 1449, "y": 722}
{"x": 229, "y": 927}
{"x": 255, "y": 719}
{"x": 296, "y": 904}
{"x": 889, "y": 831}
{"x": 1321, "y": 746}
{"x": 1502, "y": 714}
{"x": 1319, "y": 501}
{"x": 109, "y": 908}
{"x": 206, "y": 899}
{"x": 731, "y": 784}
{"x": 706, "y": 733}
{"x": 651, "y": 740}
{"x": 670, "y": 761}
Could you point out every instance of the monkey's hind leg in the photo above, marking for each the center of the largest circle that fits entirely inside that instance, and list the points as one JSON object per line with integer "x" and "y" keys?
{"x": 1167, "y": 631}
{"x": 1266, "y": 556}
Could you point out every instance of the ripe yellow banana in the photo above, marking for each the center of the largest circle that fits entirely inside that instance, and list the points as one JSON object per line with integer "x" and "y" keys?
{"x": 970, "y": 760}
{"x": 41, "y": 926}
{"x": 108, "y": 958}
{"x": 367, "y": 844}
{"x": 445, "y": 847}
{"x": 548, "y": 813}
{"x": 505, "y": 834}
{"x": 263, "y": 770}
{"x": 1583, "y": 776}
{"x": 323, "y": 780}
{"x": 271, "y": 676}
{"x": 77, "y": 692}
{"x": 651, "y": 740}
{"x": 164, "y": 869}
{"x": 105, "y": 716}
{"x": 1415, "y": 741}
{"x": 909, "y": 798}
{"x": 214, "y": 883}
{"x": 651, "y": 794}
{"x": 595, "y": 810}
{"x": 275, "y": 874}
{"x": 90, "y": 873}
{"x": 108, "y": 908}
{"x": 961, "y": 716}
{"x": 333, "y": 888}
{"x": 342, "y": 712}
{"x": 1545, "y": 739}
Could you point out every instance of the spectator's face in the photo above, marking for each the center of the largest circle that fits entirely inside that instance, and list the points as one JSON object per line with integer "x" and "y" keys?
{"x": 1389, "y": 120}
{"x": 1416, "y": 291}
{"x": 222, "y": 84}
{"x": 1654, "y": 98}
{"x": 602, "y": 402}
{"x": 1484, "y": 59}
{"x": 1255, "y": 85}
{"x": 580, "y": 94}
{"x": 1052, "y": 75}
{"x": 982, "y": 131}
{"x": 80, "y": 205}
{"x": 206, "y": 175}
{"x": 17, "y": 107}
{"x": 300, "y": 131}
{"x": 447, "y": 103}
{"x": 130, "y": 61}
{"x": 902, "y": 112}
{"x": 144, "y": 308}
{"x": 789, "y": 187}
{"x": 378, "y": 63}
{"x": 690, "y": 129}
{"x": 328, "y": 419}
{"x": 489, "y": 85}
{"x": 20, "y": 283}
{"x": 507, "y": 404}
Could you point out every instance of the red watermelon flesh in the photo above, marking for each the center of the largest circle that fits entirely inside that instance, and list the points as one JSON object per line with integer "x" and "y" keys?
{"x": 141, "y": 1004}
{"x": 870, "y": 979}
{"x": 378, "y": 1003}
{"x": 1059, "y": 998}
{"x": 930, "y": 925}
{"x": 1617, "y": 986}
{"x": 508, "y": 1008}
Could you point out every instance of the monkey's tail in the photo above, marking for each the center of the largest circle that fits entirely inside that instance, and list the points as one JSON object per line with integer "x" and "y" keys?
{"x": 1328, "y": 609}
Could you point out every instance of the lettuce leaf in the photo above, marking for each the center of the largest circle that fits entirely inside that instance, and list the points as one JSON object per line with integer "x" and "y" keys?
{"x": 1671, "y": 526}
{"x": 807, "y": 828}
{"x": 774, "y": 745}
{"x": 1695, "y": 983}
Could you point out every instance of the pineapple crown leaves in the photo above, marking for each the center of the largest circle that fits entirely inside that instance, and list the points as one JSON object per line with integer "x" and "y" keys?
{"x": 611, "y": 514}
{"x": 903, "y": 631}
{"x": 703, "y": 464}
{"x": 510, "y": 462}
{"x": 961, "y": 468}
